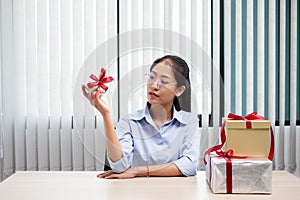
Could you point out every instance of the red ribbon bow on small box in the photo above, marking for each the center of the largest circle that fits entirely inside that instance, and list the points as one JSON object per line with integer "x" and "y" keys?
{"x": 99, "y": 82}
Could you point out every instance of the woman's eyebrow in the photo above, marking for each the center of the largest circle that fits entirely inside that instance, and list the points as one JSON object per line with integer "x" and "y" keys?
{"x": 163, "y": 75}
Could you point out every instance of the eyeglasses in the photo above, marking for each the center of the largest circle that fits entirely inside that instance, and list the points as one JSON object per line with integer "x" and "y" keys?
{"x": 162, "y": 81}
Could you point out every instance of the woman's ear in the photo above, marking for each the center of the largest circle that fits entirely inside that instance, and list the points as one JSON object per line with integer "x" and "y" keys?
{"x": 179, "y": 91}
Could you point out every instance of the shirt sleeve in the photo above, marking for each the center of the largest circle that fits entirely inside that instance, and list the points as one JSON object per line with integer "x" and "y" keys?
{"x": 189, "y": 153}
{"x": 123, "y": 131}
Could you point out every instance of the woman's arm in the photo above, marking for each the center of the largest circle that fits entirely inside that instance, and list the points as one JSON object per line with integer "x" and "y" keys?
{"x": 168, "y": 169}
{"x": 113, "y": 146}
{"x": 114, "y": 149}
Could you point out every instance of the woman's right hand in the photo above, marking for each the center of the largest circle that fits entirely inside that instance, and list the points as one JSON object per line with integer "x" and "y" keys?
{"x": 96, "y": 101}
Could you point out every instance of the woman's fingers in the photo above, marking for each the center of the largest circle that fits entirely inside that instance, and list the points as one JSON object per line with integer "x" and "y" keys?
{"x": 89, "y": 93}
{"x": 105, "y": 174}
{"x": 99, "y": 94}
{"x": 94, "y": 96}
{"x": 84, "y": 90}
{"x": 111, "y": 175}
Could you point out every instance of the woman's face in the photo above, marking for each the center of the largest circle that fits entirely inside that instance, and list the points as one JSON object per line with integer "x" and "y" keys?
{"x": 161, "y": 85}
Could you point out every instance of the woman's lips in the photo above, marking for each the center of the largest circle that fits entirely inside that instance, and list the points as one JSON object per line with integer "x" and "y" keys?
{"x": 152, "y": 95}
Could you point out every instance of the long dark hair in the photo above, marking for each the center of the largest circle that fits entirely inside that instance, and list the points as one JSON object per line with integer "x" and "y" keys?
{"x": 181, "y": 72}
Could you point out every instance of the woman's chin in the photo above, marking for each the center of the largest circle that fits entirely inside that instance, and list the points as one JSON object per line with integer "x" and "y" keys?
{"x": 153, "y": 101}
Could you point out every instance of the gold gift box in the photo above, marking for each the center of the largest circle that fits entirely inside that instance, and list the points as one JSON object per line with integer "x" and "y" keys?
{"x": 254, "y": 141}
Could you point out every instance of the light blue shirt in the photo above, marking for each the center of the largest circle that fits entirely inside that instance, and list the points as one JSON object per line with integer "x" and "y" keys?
{"x": 143, "y": 143}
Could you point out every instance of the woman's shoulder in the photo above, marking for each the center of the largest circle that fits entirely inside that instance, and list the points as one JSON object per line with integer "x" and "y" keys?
{"x": 135, "y": 115}
{"x": 188, "y": 116}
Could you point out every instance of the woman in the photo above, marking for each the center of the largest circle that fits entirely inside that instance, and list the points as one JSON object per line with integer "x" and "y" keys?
{"x": 160, "y": 140}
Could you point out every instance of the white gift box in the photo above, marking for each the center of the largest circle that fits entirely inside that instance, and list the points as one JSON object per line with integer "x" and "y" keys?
{"x": 249, "y": 175}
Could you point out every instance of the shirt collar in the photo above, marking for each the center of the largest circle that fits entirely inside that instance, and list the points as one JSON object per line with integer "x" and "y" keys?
{"x": 141, "y": 114}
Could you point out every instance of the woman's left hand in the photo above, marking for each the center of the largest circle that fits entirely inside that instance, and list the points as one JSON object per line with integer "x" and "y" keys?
{"x": 95, "y": 98}
{"x": 129, "y": 173}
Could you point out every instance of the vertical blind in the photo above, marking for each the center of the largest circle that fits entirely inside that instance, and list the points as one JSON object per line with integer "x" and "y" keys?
{"x": 261, "y": 65}
{"x": 243, "y": 56}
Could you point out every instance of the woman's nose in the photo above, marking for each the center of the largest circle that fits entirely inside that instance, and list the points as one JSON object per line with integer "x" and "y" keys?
{"x": 155, "y": 84}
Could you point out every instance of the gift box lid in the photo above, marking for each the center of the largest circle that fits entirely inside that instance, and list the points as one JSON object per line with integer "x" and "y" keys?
{"x": 241, "y": 124}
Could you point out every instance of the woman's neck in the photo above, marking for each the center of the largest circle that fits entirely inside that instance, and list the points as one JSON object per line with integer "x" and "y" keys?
{"x": 161, "y": 114}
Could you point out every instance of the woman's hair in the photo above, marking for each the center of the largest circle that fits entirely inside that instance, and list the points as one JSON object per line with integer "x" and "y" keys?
{"x": 181, "y": 72}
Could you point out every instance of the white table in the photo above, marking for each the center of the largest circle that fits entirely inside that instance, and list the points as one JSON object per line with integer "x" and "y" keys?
{"x": 85, "y": 185}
